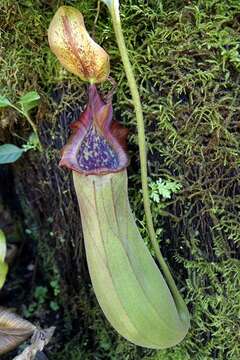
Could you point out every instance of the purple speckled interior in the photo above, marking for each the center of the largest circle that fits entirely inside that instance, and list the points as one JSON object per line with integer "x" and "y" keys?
{"x": 96, "y": 153}
{"x": 97, "y": 145}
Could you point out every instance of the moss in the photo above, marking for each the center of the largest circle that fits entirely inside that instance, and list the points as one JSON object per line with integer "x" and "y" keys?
{"x": 186, "y": 59}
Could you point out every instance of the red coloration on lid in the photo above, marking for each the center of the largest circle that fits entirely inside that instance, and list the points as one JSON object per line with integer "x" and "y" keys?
{"x": 98, "y": 143}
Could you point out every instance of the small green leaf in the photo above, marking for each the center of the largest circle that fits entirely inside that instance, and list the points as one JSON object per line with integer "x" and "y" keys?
{"x": 29, "y": 101}
{"x": 40, "y": 294}
{"x": 9, "y": 153}
{"x": 4, "y": 102}
{"x": 32, "y": 143}
{"x": 3, "y": 246}
{"x": 3, "y": 273}
{"x": 3, "y": 265}
{"x": 54, "y": 306}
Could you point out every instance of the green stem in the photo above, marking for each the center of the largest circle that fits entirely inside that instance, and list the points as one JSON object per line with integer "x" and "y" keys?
{"x": 114, "y": 10}
{"x": 35, "y": 131}
{"x": 34, "y": 128}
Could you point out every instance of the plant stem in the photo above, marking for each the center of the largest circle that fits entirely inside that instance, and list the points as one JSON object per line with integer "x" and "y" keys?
{"x": 34, "y": 128}
{"x": 35, "y": 131}
{"x": 114, "y": 10}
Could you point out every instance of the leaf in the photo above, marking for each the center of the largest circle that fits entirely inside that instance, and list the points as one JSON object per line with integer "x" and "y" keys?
{"x": 3, "y": 246}
{"x": 13, "y": 330}
{"x": 3, "y": 273}
{"x": 39, "y": 340}
{"x": 3, "y": 265}
{"x": 32, "y": 143}
{"x": 29, "y": 101}
{"x": 9, "y": 153}
{"x": 4, "y": 102}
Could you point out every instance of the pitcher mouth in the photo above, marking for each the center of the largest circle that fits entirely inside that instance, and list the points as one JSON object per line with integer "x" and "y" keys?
{"x": 98, "y": 143}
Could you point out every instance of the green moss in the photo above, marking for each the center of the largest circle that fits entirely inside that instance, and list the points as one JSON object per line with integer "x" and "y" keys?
{"x": 186, "y": 59}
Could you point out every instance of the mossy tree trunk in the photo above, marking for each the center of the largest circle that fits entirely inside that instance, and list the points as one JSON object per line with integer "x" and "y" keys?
{"x": 186, "y": 61}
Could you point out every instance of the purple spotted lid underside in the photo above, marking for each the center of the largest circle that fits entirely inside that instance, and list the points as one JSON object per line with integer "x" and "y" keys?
{"x": 98, "y": 144}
